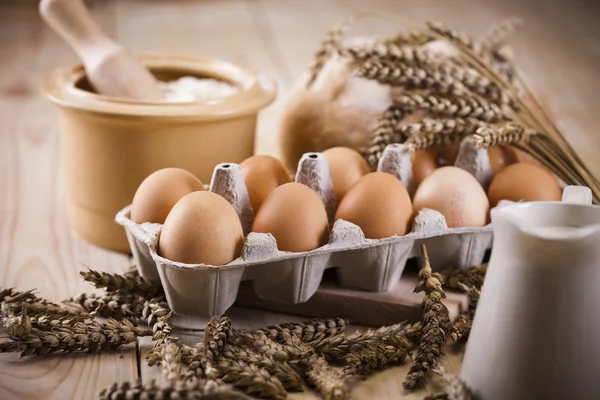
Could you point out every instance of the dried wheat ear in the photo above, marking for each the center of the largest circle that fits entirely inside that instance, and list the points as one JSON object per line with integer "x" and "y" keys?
{"x": 231, "y": 363}
{"x": 465, "y": 86}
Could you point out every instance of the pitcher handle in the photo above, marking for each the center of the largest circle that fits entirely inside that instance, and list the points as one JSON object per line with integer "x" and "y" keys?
{"x": 577, "y": 195}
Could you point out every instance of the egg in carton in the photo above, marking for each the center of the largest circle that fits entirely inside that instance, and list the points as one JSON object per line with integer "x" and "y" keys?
{"x": 200, "y": 291}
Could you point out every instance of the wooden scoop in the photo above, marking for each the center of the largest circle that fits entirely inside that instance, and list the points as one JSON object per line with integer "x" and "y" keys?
{"x": 111, "y": 69}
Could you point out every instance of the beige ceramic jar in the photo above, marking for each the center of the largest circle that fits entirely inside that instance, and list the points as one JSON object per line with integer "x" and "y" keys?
{"x": 110, "y": 145}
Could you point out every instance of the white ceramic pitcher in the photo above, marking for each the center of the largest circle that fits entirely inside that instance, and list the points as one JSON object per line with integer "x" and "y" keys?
{"x": 536, "y": 332}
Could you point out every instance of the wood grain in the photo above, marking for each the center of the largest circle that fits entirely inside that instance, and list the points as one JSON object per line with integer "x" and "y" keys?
{"x": 365, "y": 308}
{"x": 557, "y": 50}
{"x": 37, "y": 249}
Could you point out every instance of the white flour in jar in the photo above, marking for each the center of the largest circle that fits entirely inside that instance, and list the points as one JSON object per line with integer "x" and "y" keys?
{"x": 191, "y": 89}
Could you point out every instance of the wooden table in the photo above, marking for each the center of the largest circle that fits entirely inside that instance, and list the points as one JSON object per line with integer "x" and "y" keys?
{"x": 559, "y": 49}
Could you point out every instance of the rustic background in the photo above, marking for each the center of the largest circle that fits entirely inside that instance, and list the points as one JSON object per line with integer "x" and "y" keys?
{"x": 558, "y": 49}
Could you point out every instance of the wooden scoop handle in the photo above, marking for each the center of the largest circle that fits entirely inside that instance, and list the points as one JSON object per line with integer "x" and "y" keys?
{"x": 109, "y": 67}
{"x": 73, "y": 22}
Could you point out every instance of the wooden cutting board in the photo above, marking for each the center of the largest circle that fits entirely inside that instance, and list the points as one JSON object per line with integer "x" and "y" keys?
{"x": 362, "y": 308}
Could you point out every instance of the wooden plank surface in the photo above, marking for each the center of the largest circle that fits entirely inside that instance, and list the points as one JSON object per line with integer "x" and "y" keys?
{"x": 559, "y": 50}
{"x": 332, "y": 300}
{"x": 37, "y": 249}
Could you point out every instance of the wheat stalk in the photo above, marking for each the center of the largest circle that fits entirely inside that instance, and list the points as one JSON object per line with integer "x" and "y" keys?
{"x": 547, "y": 148}
{"x": 436, "y": 132}
{"x": 409, "y": 76}
{"x": 261, "y": 362}
{"x": 260, "y": 343}
{"x": 557, "y": 154}
{"x": 107, "y": 306}
{"x": 499, "y": 135}
{"x": 476, "y": 83}
{"x": 86, "y": 335}
{"x": 340, "y": 346}
{"x": 532, "y": 142}
{"x": 496, "y": 34}
{"x": 250, "y": 378}
{"x": 328, "y": 46}
{"x": 217, "y": 334}
{"x": 175, "y": 390}
{"x": 330, "y": 383}
{"x": 412, "y": 38}
{"x": 389, "y": 53}
{"x": 157, "y": 314}
{"x": 37, "y": 307}
{"x": 130, "y": 283}
{"x": 12, "y": 302}
{"x": 378, "y": 355}
{"x": 453, "y": 35}
{"x": 470, "y": 277}
{"x": 12, "y": 295}
{"x": 563, "y": 157}
{"x": 383, "y": 134}
{"x": 193, "y": 358}
{"x": 171, "y": 360}
{"x": 435, "y": 323}
{"x": 308, "y": 331}
{"x": 288, "y": 377}
{"x": 461, "y": 106}
{"x": 462, "y": 326}
{"x": 46, "y": 321}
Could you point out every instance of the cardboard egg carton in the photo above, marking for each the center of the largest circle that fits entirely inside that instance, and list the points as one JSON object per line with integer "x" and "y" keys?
{"x": 375, "y": 265}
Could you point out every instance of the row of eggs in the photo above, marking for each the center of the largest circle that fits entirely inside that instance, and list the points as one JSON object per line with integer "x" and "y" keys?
{"x": 201, "y": 227}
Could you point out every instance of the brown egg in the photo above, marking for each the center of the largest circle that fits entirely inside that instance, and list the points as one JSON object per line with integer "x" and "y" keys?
{"x": 456, "y": 194}
{"x": 446, "y": 155}
{"x": 158, "y": 193}
{"x": 262, "y": 175}
{"x": 423, "y": 164}
{"x": 379, "y": 204}
{"x": 295, "y": 216}
{"x": 346, "y": 167}
{"x": 501, "y": 157}
{"x": 202, "y": 228}
{"x": 524, "y": 182}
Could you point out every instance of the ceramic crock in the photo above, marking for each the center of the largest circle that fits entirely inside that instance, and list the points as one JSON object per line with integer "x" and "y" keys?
{"x": 110, "y": 145}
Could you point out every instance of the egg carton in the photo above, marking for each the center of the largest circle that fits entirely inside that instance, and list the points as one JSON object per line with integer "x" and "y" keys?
{"x": 375, "y": 265}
